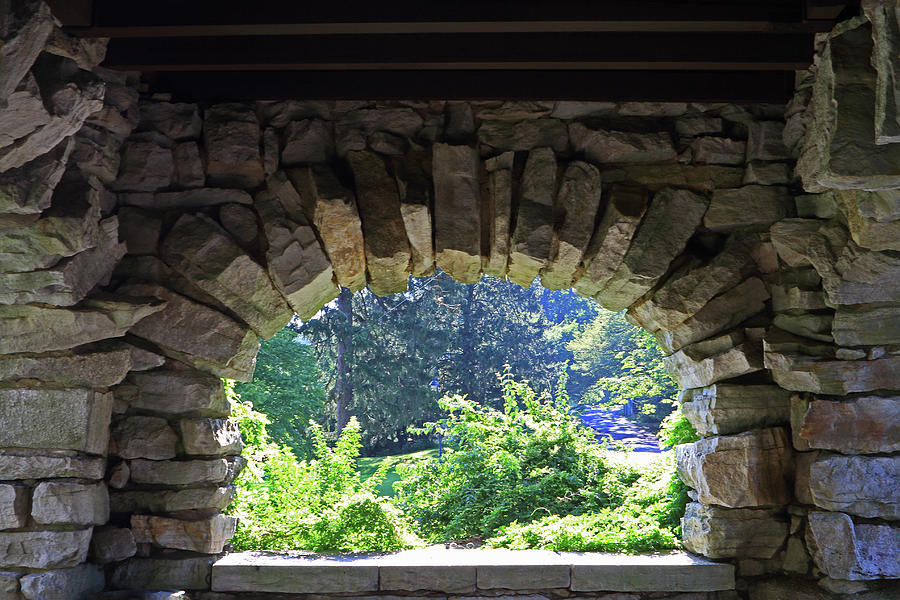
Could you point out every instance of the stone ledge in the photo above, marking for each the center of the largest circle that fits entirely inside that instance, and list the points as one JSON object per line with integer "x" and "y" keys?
{"x": 465, "y": 571}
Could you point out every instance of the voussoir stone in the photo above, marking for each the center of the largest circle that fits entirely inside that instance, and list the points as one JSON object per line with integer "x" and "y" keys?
{"x": 863, "y": 425}
{"x": 723, "y": 357}
{"x": 844, "y": 549}
{"x": 204, "y": 535}
{"x": 231, "y": 137}
{"x": 499, "y": 201}
{"x": 622, "y": 147}
{"x": 206, "y": 255}
{"x": 867, "y": 486}
{"x": 13, "y": 506}
{"x": 729, "y": 533}
{"x": 747, "y": 206}
{"x": 726, "y": 408}
{"x": 533, "y": 235}
{"x": 144, "y": 437}
{"x": 412, "y": 172}
{"x": 185, "y": 472}
{"x": 746, "y": 470}
{"x": 196, "y": 334}
{"x": 175, "y": 392}
{"x": 71, "y": 419}
{"x": 457, "y": 211}
{"x": 62, "y": 503}
{"x": 44, "y": 549}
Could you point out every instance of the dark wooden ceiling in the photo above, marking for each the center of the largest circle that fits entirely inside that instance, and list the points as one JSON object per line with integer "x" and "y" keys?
{"x": 648, "y": 50}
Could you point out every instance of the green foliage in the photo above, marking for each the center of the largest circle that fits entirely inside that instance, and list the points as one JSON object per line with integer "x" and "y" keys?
{"x": 321, "y": 505}
{"x": 676, "y": 429}
{"x": 288, "y": 386}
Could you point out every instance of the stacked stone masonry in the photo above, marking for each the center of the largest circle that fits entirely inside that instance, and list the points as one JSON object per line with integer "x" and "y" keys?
{"x": 146, "y": 245}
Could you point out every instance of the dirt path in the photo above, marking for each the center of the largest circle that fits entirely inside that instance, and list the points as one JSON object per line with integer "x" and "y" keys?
{"x": 611, "y": 422}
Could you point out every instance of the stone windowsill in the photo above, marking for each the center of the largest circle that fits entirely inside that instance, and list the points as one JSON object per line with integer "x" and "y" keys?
{"x": 466, "y": 571}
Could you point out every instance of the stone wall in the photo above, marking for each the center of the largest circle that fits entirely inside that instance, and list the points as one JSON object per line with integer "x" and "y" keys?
{"x": 146, "y": 245}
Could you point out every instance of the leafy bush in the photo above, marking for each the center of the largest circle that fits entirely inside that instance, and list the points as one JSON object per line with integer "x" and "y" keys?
{"x": 320, "y": 505}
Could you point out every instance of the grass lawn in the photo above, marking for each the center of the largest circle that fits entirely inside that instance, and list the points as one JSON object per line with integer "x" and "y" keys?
{"x": 368, "y": 466}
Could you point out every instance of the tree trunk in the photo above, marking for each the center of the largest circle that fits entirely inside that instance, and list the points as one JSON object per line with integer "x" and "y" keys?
{"x": 343, "y": 387}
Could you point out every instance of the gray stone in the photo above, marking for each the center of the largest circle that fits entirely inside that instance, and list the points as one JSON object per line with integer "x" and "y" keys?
{"x": 524, "y": 135}
{"x": 177, "y": 121}
{"x": 512, "y": 110}
{"x": 863, "y": 425}
{"x": 718, "y": 150}
{"x": 210, "y": 436}
{"x": 168, "y": 501}
{"x": 387, "y": 249}
{"x": 843, "y": 549}
{"x": 728, "y": 533}
{"x": 813, "y": 326}
{"x": 196, "y": 334}
{"x": 185, "y": 472}
{"x": 440, "y": 578}
{"x": 820, "y": 206}
{"x": 653, "y": 109}
{"x": 678, "y": 213}
{"x": 457, "y": 212}
{"x": 499, "y": 200}
{"x": 765, "y": 141}
{"x": 575, "y": 213}
{"x": 866, "y": 486}
{"x": 61, "y": 503}
{"x": 624, "y": 210}
{"x": 189, "y": 171}
{"x": 533, "y": 235}
{"x": 63, "y": 584}
{"x": 723, "y": 357}
{"x": 796, "y": 558}
{"x": 152, "y": 269}
{"x": 746, "y": 470}
{"x": 833, "y": 377}
{"x": 460, "y": 127}
{"x": 204, "y": 535}
{"x": 660, "y": 573}
{"x": 100, "y": 365}
{"x": 139, "y": 229}
{"x": 202, "y": 251}
{"x": 403, "y": 122}
{"x": 175, "y": 392}
{"x": 388, "y": 144}
{"x": 697, "y": 125}
{"x": 702, "y": 179}
{"x": 727, "y": 408}
{"x": 567, "y": 109}
{"x": 44, "y": 549}
{"x": 523, "y": 577}
{"x": 747, "y": 206}
{"x": 621, "y": 147}
{"x": 177, "y": 573}
{"x": 308, "y": 141}
{"x": 112, "y": 544}
{"x": 29, "y": 189}
{"x": 196, "y": 198}
{"x": 869, "y": 232}
{"x": 240, "y": 221}
{"x": 885, "y": 35}
{"x": 13, "y": 505}
{"x": 867, "y": 326}
{"x": 72, "y": 419}
{"x": 279, "y": 114}
{"x": 786, "y": 298}
{"x": 258, "y": 572}
{"x": 297, "y": 264}
{"x": 146, "y": 166}
{"x": 9, "y": 585}
{"x": 23, "y": 113}
{"x": 331, "y": 208}
{"x": 791, "y": 238}
{"x": 231, "y": 138}
{"x": 119, "y": 475}
{"x": 416, "y": 188}
{"x": 143, "y": 437}
{"x": 766, "y": 173}
{"x": 857, "y": 276}
{"x": 26, "y": 27}
{"x": 25, "y": 464}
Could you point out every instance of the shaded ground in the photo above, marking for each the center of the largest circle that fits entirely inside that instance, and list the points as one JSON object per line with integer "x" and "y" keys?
{"x": 637, "y": 438}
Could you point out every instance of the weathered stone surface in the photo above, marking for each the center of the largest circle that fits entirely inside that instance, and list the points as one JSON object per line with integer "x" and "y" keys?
{"x": 867, "y": 326}
{"x": 94, "y": 365}
{"x": 857, "y": 276}
{"x": 511, "y": 110}
{"x": 694, "y": 125}
{"x": 23, "y": 113}
{"x": 146, "y": 165}
{"x": 820, "y": 206}
{"x": 621, "y": 147}
{"x": 524, "y": 135}
{"x": 794, "y": 298}
{"x": 143, "y": 437}
{"x": 241, "y": 222}
{"x": 245, "y": 572}
{"x": 719, "y": 358}
{"x": 9, "y": 585}
{"x": 765, "y": 141}
{"x": 867, "y": 486}
{"x": 13, "y": 506}
{"x": 531, "y": 240}
{"x": 523, "y": 577}
{"x": 44, "y": 549}
{"x": 61, "y": 503}
{"x": 745, "y": 470}
{"x": 791, "y": 238}
{"x": 766, "y": 173}
{"x": 151, "y": 268}
{"x": 231, "y": 141}
{"x": 189, "y": 171}
{"x": 846, "y": 550}
{"x": 70, "y": 280}
{"x": 119, "y": 475}
{"x": 196, "y": 198}
{"x": 139, "y": 229}
{"x": 643, "y": 574}
{"x": 73, "y": 419}
{"x": 499, "y": 213}
{"x": 624, "y": 210}
{"x": 175, "y": 392}
{"x": 26, "y": 27}
{"x": 205, "y": 535}
{"x": 305, "y": 142}
{"x": 195, "y": 334}
{"x": 718, "y": 150}
{"x": 727, "y": 408}
{"x": 416, "y": 188}
{"x": 25, "y": 464}
{"x": 331, "y": 208}
{"x": 864, "y": 425}
{"x": 813, "y": 326}
{"x": 689, "y": 289}
{"x": 386, "y": 246}
{"x": 297, "y": 263}
{"x": 702, "y": 179}
{"x": 567, "y": 109}
{"x": 885, "y": 36}
{"x": 176, "y": 121}
{"x": 210, "y": 436}
{"x": 176, "y": 573}
{"x": 727, "y": 533}
{"x": 166, "y": 501}
{"x": 202, "y": 251}
{"x": 747, "y": 206}
{"x": 449, "y": 579}
{"x": 112, "y": 544}
{"x": 722, "y": 312}
{"x": 29, "y": 189}
{"x": 63, "y": 584}
{"x": 833, "y": 377}
{"x": 575, "y": 212}
{"x": 675, "y": 212}
{"x": 189, "y": 472}
{"x": 457, "y": 212}
{"x": 403, "y": 122}
{"x": 871, "y": 217}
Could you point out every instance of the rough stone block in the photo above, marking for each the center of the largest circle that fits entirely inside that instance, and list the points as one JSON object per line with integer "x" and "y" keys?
{"x": 143, "y": 437}
{"x": 867, "y": 326}
{"x": 857, "y": 276}
{"x": 72, "y": 419}
{"x": 718, "y": 150}
{"x": 100, "y": 366}
{"x": 717, "y": 359}
{"x": 787, "y": 298}
{"x": 44, "y": 549}
{"x": 168, "y": 501}
{"x": 307, "y": 142}
{"x": 175, "y": 392}
{"x": 499, "y": 207}
{"x": 78, "y": 582}
{"x": 147, "y": 166}
{"x": 832, "y": 377}
{"x": 205, "y": 535}
{"x": 441, "y": 578}
{"x": 728, "y": 533}
{"x": 668, "y": 573}
{"x": 531, "y": 240}
{"x": 867, "y": 486}
{"x": 29, "y": 189}
{"x": 278, "y": 574}
{"x": 806, "y": 325}
{"x": 844, "y": 549}
{"x": 703, "y": 179}
{"x": 412, "y": 172}
{"x": 46, "y": 464}
{"x": 231, "y": 138}
{"x": 747, "y": 206}
{"x": 694, "y": 125}
{"x": 13, "y": 505}
{"x": 524, "y": 135}
{"x": 176, "y": 121}
{"x": 139, "y": 229}
{"x": 9, "y": 585}
{"x": 727, "y": 408}
{"x": 745, "y": 470}
{"x": 210, "y": 436}
{"x": 27, "y": 26}
{"x": 522, "y": 577}
{"x": 622, "y": 147}
{"x": 176, "y": 573}
{"x": 197, "y": 198}
{"x": 189, "y": 171}
{"x": 112, "y": 544}
{"x": 61, "y": 503}
{"x": 765, "y": 141}
{"x": 162, "y": 472}
{"x": 765, "y": 173}
{"x": 457, "y": 211}
{"x": 863, "y": 425}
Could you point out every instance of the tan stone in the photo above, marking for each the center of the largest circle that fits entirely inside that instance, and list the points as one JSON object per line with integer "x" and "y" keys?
{"x": 843, "y": 549}
{"x": 63, "y": 503}
{"x": 867, "y": 326}
{"x": 866, "y": 486}
{"x": 231, "y": 137}
{"x": 813, "y": 326}
{"x": 499, "y": 213}
{"x": 575, "y": 212}
{"x": 624, "y": 210}
{"x": 717, "y": 359}
{"x": 210, "y": 436}
{"x": 531, "y": 240}
{"x": 791, "y": 238}
{"x": 728, "y": 408}
{"x": 205, "y": 535}
{"x": 747, "y": 206}
{"x": 833, "y": 377}
{"x": 331, "y": 208}
{"x": 728, "y": 533}
{"x": 384, "y": 234}
{"x": 457, "y": 211}
{"x": 872, "y": 231}
{"x": 862, "y": 425}
{"x": 621, "y": 147}
{"x": 857, "y": 276}
{"x": 71, "y": 419}
{"x": 794, "y": 298}
{"x": 414, "y": 184}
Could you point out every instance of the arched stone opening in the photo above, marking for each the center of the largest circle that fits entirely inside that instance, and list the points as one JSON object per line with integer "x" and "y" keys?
{"x": 146, "y": 245}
